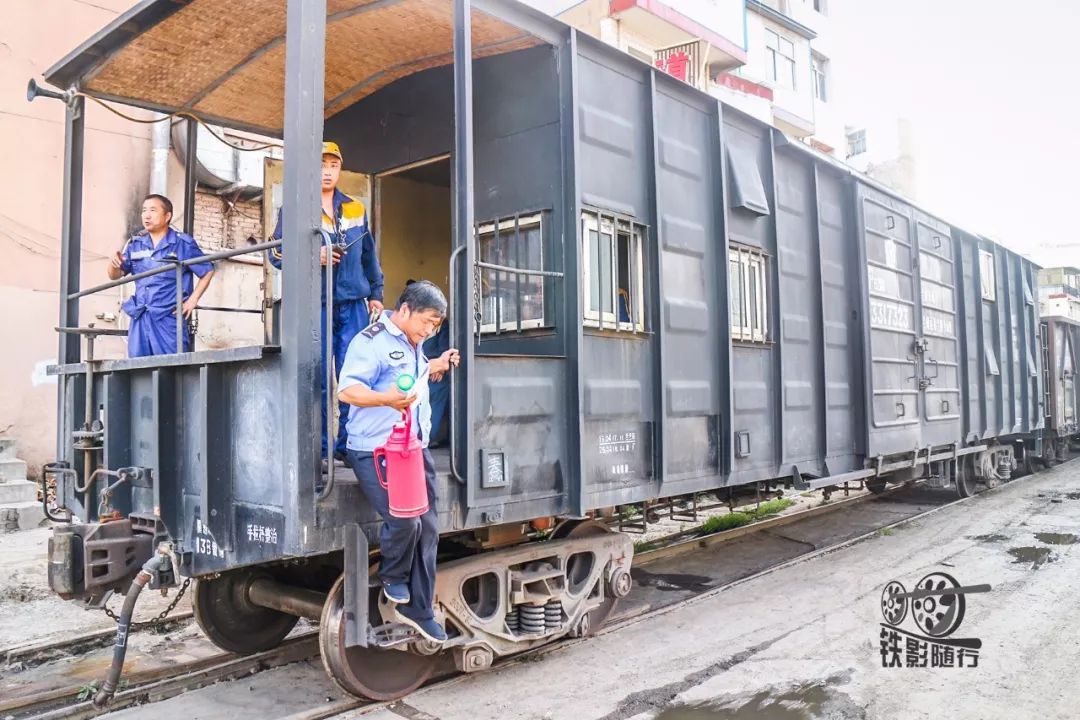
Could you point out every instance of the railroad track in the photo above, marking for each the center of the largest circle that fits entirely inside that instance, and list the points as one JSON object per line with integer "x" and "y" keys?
{"x": 32, "y": 654}
{"x": 164, "y": 683}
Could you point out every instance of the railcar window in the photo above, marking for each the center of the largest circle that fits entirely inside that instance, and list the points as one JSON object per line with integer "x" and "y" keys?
{"x": 509, "y": 300}
{"x": 613, "y": 275}
{"x": 748, "y": 284}
{"x": 986, "y": 273}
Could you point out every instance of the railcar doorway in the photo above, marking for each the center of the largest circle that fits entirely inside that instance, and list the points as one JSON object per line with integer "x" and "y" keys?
{"x": 413, "y": 230}
{"x": 413, "y": 225}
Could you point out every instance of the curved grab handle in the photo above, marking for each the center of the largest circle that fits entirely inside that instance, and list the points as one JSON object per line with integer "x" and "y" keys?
{"x": 452, "y": 407}
{"x": 379, "y": 454}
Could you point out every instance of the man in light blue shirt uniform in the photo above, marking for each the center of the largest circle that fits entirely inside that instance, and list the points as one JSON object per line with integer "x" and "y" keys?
{"x": 390, "y": 347}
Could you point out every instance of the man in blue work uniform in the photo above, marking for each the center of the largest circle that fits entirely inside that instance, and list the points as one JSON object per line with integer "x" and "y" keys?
{"x": 438, "y": 388}
{"x": 358, "y": 278}
{"x": 390, "y": 347}
{"x": 152, "y": 308}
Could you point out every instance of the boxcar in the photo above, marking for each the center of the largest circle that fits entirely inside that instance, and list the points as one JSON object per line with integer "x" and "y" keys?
{"x": 654, "y": 294}
{"x": 1059, "y": 304}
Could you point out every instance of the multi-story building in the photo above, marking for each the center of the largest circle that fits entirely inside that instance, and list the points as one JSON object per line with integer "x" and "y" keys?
{"x": 123, "y": 162}
{"x": 886, "y": 150}
{"x": 769, "y": 58}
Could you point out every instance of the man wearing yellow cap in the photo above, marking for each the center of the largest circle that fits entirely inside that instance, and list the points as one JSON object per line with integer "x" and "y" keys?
{"x": 358, "y": 279}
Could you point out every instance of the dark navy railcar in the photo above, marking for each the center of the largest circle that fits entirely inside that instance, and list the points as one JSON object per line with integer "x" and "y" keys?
{"x": 654, "y": 294}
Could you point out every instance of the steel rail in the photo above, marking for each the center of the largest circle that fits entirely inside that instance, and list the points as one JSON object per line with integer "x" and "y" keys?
{"x": 208, "y": 671}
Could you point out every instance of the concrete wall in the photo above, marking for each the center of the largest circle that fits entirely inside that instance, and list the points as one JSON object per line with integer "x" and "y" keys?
{"x": 33, "y": 35}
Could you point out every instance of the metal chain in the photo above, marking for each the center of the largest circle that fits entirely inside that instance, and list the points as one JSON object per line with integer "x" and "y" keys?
{"x": 478, "y": 316}
{"x": 160, "y": 616}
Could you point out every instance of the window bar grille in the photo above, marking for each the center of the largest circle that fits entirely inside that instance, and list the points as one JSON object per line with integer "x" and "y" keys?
{"x": 763, "y": 303}
{"x": 747, "y": 318}
{"x": 496, "y": 308}
{"x": 615, "y": 276}
{"x": 631, "y": 281}
{"x": 517, "y": 264}
{"x": 600, "y": 269}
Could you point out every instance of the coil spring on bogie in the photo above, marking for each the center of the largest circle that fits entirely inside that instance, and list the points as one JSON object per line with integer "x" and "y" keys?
{"x": 512, "y": 620}
{"x": 531, "y": 618}
{"x": 553, "y": 614}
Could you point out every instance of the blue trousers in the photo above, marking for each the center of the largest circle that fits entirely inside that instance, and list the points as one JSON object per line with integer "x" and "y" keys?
{"x": 408, "y": 545}
{"x": 350, "y": 317}
{"x": 440, "y": 404}
{"x": 153, "y": 332}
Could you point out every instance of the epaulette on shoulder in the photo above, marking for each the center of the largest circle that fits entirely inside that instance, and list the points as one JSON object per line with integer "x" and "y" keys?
{"x": 352, "y": 209}
{"x": 372, "y": 330}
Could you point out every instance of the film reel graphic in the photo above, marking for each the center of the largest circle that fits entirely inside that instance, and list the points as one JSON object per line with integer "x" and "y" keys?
{"x": 894, "y": 603}
{"x": 939, "y": 614}
{"x": 937, "y": 604}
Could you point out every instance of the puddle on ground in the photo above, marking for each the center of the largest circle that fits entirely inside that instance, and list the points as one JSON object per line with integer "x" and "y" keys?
{"x": 1056, "y": 538}
{"x": 1037, "y": 556}
{"x": 804, "y": 702}
{"x": 671, "y": 581}
{"x": 993, "y": 538}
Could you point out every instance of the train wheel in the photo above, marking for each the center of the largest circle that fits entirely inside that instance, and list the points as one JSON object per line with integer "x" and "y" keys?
{"x": 231, "y": 621}
{"x": 876, "y": 486}
{"x": 1049, "y": 456}
{"x": 595, "y": 618}
{"x": 964, "y": 478}
{"x": 365, "y": 671}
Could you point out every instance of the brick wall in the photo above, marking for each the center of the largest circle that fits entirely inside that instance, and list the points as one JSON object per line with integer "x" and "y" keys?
{"x": 221, "y": 223}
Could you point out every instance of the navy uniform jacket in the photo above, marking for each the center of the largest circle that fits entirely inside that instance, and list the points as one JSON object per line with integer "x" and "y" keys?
{"x": 358, "y": 276}
{"x": 159, "y": 291}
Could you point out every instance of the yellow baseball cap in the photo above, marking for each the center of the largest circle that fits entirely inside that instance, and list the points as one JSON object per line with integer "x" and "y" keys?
{"x": 331, "y": 148}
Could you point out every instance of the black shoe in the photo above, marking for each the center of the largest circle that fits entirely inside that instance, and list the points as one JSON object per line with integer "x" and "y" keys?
{"x": 343, "y": 458}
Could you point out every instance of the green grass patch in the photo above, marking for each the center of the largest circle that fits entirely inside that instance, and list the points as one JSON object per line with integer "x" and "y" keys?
{"x": 719, "y": 523}
{"x": 771, "y": 507}
{"x": 885, "y": 531}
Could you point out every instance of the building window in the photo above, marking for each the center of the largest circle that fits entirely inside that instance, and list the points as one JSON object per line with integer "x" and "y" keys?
{"x": 856, "y": 142}
{"x": 748, "y": 284}
{"x": 819, "y": 66}
{"x": 780, "y": 59}
{"x": 822, "y": 6}
{"x": 512, "y": 299}
{"x": 613, "y": 276}
{"x": 986, "y": 275}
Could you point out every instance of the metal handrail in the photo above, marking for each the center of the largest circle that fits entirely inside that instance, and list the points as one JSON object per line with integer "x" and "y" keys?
{"x": 331, "y": 428}
{"x": 177, "y": 266}
{"x": 172, "y": 266}
{"x": 454, "y": 472}
{"x": 519, "y": 271}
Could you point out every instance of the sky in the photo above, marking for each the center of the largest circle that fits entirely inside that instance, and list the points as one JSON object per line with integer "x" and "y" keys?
{"x": 992, "y": 91}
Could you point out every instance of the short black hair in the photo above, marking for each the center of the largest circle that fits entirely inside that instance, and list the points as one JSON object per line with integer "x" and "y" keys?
{"x": 423, "y": 295}
{"x": 165, "y": 202}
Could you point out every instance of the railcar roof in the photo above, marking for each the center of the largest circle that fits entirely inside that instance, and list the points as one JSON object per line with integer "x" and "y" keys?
{"x": 225, "y": 61}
